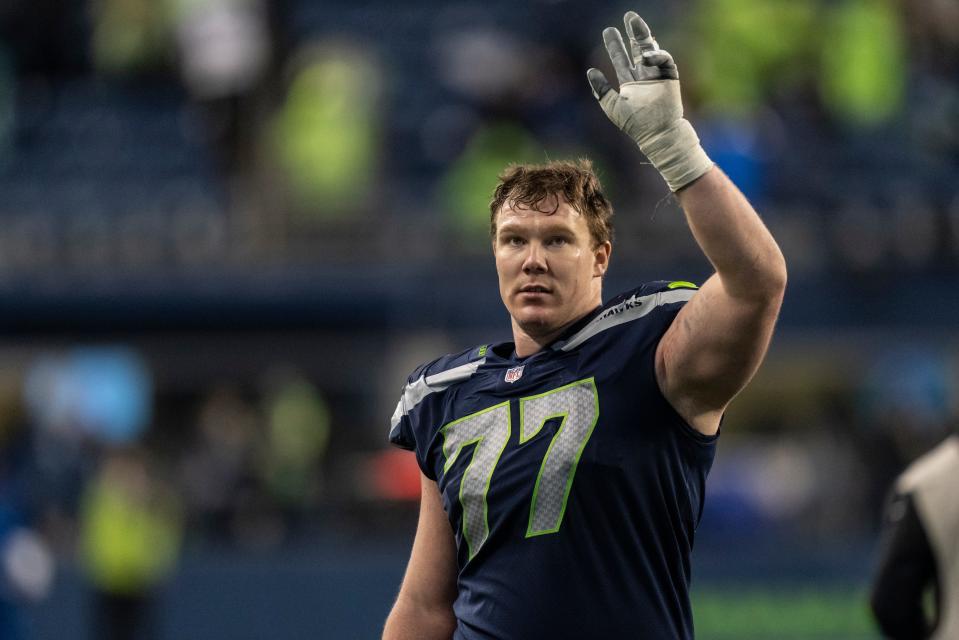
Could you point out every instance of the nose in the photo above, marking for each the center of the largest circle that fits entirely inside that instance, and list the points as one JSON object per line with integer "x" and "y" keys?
{"x": 535, "y": 260}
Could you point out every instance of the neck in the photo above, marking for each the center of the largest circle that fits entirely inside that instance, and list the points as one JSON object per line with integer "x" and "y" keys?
{"x": 526, "y": 343}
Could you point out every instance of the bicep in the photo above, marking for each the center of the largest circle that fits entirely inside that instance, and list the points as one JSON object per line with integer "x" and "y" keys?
{"x": 712, "y": 349}
{"x": 425, "y": 603}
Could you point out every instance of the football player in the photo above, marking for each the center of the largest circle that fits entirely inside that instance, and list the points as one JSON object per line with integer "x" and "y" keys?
{"x": 563, "y": 472}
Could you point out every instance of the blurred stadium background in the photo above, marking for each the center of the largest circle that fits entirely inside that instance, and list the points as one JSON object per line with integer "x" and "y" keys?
{"x": 229, "y": 228}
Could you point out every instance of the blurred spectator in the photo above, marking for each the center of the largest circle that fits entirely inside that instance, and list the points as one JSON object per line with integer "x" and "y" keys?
{"x": 746, "y": 51}
{"x": 26, "y": 560}
{"x": 77, "y": 401}
{"x": 251, "y": 475}
{"x": 102, "y": 392}
{"x": 217, "y": 463}
{"x": 131, "y": 529}
{"x": 745, "y": 55}
{"x": 863, "y": 62}
{"x": 298, "y": 432}
{"x": 131, "y": 37}
{"x": 919, "y": 553}
{"x": 225, "y": 47}
{"x": 489, "y": 65}
{"x": 465, "y": 190}
{"x": 327, "y": 132}
{"x": 26, "y": 575}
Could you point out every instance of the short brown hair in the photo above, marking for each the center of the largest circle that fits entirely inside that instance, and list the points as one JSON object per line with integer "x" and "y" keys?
{"x": 577, "y": 182}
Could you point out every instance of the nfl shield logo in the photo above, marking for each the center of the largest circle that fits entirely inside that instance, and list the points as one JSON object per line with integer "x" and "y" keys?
{"x": 514, "y": 374}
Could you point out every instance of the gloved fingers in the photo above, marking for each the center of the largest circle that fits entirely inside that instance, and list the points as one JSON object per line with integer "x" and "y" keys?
{"x": 664, "y": 61}
{"x": 641, "y": 38}
{"x": 598, "y": 83}
{"x": 613, "y": 40}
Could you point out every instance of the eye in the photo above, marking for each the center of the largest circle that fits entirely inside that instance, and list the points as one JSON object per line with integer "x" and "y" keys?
{"x": 557, "y": 241}
{"x": 514, "y": 241}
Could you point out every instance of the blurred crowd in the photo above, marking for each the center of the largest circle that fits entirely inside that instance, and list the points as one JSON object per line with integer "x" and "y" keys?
{"x": 148, "y": 135}
{"x": 92, "y": 473}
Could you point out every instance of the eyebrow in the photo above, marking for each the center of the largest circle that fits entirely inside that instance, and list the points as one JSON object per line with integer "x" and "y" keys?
{"x": 548, "y": 229}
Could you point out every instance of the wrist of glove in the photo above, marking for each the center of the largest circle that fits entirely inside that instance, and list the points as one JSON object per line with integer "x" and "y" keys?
{"x": 675, "y": 151}
{"x": 651, "y": 113}
{"x": 648, "y": 106}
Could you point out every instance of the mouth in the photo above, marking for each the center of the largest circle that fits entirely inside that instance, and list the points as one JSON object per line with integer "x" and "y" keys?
{"x": 535, "y": 294}
{"x": 535, "y": 289}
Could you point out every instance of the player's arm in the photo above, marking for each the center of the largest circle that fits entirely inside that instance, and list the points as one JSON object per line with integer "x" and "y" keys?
{"x": 906, "y": 569}
{"x": 720, "y": 336}
{"x": 424, "y": 607}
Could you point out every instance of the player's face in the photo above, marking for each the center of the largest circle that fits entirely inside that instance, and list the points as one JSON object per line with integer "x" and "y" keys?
{"x": 550, "y": 268}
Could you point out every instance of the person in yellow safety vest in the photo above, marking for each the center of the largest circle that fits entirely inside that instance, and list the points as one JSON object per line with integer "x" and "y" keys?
{"x": 131, "y": 530}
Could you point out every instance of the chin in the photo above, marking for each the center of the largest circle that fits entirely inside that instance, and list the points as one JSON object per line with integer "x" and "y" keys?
{"x": 537, "y": 323}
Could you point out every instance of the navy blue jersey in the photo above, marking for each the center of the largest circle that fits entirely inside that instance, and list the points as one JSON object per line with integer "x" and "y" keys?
{"x": 573, "y": 487}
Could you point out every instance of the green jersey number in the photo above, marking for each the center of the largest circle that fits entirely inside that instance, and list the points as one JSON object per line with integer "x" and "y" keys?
{"x": 575, "y": 404}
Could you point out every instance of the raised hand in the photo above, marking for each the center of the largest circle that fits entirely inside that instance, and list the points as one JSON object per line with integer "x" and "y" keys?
{"x": 648, "y": 106}
{"x": 647, "y": 62}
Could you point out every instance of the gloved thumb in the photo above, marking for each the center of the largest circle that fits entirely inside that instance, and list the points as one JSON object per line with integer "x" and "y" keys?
{"x": 598, "y": 83}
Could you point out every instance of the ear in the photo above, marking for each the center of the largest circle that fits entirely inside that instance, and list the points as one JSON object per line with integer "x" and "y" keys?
{"x": 601, "y": 256}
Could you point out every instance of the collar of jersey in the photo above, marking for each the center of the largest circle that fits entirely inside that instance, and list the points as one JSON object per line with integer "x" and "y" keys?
{"x": 507, "y": 350}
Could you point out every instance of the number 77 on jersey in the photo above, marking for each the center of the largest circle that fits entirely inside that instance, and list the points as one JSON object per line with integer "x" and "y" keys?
{"x": 575, "y": 405}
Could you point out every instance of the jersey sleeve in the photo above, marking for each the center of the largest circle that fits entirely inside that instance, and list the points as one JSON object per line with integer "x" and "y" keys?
{"x": 698, "y": 449}
{"x": 401, "y": 431}
{"x": 418, "y": 415}
{"x": 406, "y": 419}
{"x": 660, "y": 302}
{"x": 671, "y": 296}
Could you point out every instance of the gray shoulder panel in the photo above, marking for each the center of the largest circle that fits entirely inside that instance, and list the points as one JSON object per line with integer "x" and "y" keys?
{"x": 630, "y": 309}
{"x": 416, "y": 391}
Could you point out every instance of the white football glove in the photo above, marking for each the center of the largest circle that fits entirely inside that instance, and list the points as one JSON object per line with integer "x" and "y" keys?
{"x": 648, "y": 107}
